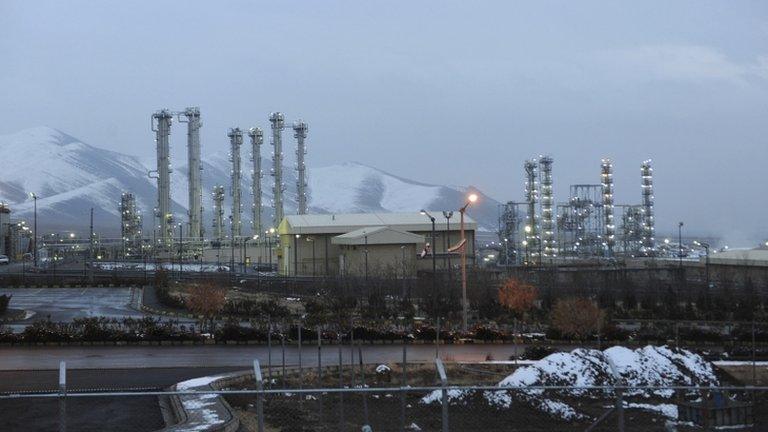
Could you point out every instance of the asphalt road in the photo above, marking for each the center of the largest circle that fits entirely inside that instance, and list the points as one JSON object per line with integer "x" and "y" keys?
{"x": 134, "y": 357}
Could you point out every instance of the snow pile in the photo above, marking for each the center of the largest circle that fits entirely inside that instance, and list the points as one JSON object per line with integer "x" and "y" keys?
{"x": 200, "y": 408}
{"x": 583, "y": 368}
{"x": 205, "y": 268}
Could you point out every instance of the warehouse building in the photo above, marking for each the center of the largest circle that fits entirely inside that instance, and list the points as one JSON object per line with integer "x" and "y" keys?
{"x": 373, "y": 244}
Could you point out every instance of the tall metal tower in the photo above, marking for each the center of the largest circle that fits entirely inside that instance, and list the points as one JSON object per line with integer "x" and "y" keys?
{"x": 531, "y": 198}
{"x": 300, "y": 133}
{"x": 195, "y": 165}
{"x": 547, "y": 201}
{"x": 218, "y": 213}
{"x": 606, "y": 177}
{"x": 646, "y": 173}
{"x": 236, "y": 141}
{"x": 130, "y": 225}
{"x": 277, "y": 121}
{"x": 161, "y": 125}
{"x": 649, "y": 241}
{"x": 257, "y": 139}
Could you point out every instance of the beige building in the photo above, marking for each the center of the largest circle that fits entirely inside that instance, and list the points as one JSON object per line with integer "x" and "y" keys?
{"x": 376, "y": 244}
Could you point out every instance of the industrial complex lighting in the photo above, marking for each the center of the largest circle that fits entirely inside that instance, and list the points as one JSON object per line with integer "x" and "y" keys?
{"x": 472, "y": 198}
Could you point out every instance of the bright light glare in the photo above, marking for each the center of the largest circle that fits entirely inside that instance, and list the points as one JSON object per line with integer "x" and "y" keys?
{"x": 472, "y": 198}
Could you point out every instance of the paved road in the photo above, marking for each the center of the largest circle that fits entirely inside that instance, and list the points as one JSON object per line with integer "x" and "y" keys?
{"x": 112, "y": 357}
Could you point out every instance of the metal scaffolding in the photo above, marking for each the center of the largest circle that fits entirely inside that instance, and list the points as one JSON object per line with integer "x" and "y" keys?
{"x": 632, "y": 229}
{"x": 580, "y": 221}
{"x": 511, "y": 234}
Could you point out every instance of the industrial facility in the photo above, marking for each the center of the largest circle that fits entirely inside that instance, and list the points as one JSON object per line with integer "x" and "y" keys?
{"x": 535, "y": 231}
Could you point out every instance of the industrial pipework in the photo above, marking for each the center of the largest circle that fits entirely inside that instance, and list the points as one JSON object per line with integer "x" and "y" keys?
{"x": 531, "y": 198}
{"x": 130, "y": 227}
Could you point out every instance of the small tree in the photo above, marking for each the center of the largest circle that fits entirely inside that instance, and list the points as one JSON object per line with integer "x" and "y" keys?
{"x": 577, "y": 317}
{"x": 206, "y": 299}
{"x": 517, "y": 296}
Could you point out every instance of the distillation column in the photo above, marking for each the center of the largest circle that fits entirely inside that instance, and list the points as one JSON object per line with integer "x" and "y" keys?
{"x": 648, "y": 244}
{"x": 195, "y": 165}
{"x": 218, "y": 213}
{"x": 161, "y": 125}
{"x": 236, "y": 141}
{"x": 300, "y": 133}
{"x": 547, "y": 201}
{"x": 606, "y": 178}
{"x": 257, "y": 139}
{"x": 531, "y": 197}
{"x": 277, "y": 121}
{"x": 130, "y": 227}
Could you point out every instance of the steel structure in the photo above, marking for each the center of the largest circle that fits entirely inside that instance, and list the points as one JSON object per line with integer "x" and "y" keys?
{"x": 609, "y": 234}
{"x": 547, "y": 202}
{"x": 580, "y": 221}
{"x": 161, "y": 125}
{"x": 257, "y": 139}
{"x": 646, "y": 173}
{"x": 277, "y": 122}
{"x": 531, "y": 229}
{"x": 510, "y": 223}
{"x": 130, "y": 225}
{"x": 191, "y": 116}
{"x": 218, "y": 213}
{"x": 631, "y": 229}
{"x": 300, "y": 133}
{"x": 236, "y": 141}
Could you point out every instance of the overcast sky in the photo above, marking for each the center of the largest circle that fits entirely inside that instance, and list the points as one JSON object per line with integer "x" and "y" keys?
{"x": 442, "y": 92}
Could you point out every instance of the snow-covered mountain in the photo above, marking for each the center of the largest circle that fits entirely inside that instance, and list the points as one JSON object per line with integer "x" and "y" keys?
{"x": 69, "y": 177}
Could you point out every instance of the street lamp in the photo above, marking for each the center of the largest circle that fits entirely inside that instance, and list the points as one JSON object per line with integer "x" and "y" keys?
{"x": 706, "y": 260}
{"x": 448, "y": 215}
{"x": 680, "y": 243}
{"x": 464, "y": 306}
{"x": 434, "y": 258}
{"x": 34, "y": 238}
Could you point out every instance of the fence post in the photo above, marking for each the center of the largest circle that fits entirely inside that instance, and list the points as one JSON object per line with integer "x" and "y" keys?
{"x": 404, "y": 384}
{"x": 269, "y": 353}
{"x": 341, "y": 386}
{"x": 437, "y": 339}
{"x": 259, "y": 395}
{"x": 444, "y": 391}
{"x": 282, "y": 347}
{"x": 362, "y": 382}
{"x": 62, "y": 396}
{"x": 301, "y": 369}
{"x": 619, "y": 395}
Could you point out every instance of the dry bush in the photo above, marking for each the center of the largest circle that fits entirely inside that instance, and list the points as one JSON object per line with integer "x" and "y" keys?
{"x": 517, "y": 296}
{"x": 577, "y": 317}
{"x": 206, "y": 299}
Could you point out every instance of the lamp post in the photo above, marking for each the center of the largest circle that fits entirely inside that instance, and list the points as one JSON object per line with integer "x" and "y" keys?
{"x": 34, "y": 234}
{"x": 434, "y": 257}
{"x": 312, "y": 239}
{"x": 448, "y": 215}
{"x": 680, "y": 243}
{"x": 181, "y": 249}
{"x": 464, "y": 306}
{"x": 706, "y": 260}
{"x": 231, "y": 247}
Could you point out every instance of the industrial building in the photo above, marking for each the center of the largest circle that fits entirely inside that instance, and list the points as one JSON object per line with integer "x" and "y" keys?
{"x": 372, "y": 244}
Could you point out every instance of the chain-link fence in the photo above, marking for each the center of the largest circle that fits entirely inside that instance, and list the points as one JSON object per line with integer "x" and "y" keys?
{"x": 353, "y": 396}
